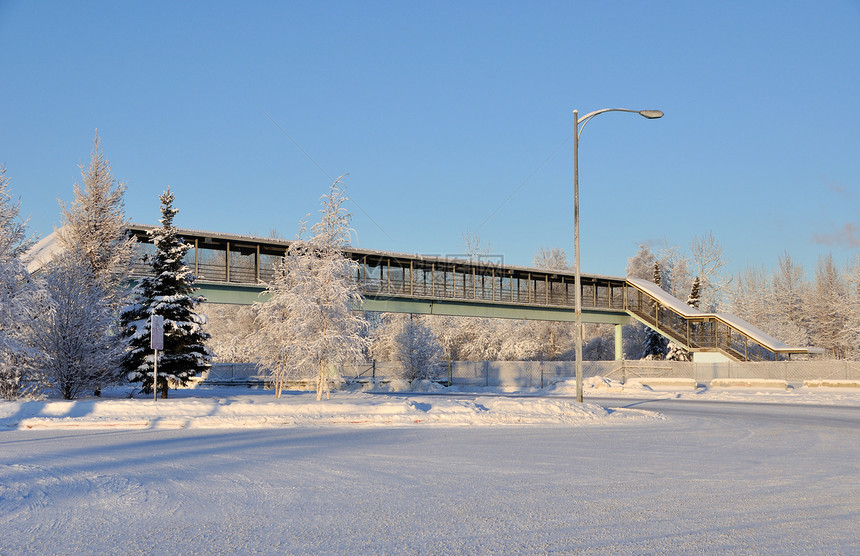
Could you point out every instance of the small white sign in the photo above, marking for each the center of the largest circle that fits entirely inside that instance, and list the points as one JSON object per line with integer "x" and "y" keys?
{"x": 156, "y": 332}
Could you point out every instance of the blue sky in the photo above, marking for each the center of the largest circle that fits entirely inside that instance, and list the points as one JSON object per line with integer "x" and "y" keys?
{"x": 452, "y": 117}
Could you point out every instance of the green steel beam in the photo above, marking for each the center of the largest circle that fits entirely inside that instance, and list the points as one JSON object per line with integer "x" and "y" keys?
{"x": 244, "y": 294}
{"x": 467, "y": 308}
{"x": 232, "y": 294}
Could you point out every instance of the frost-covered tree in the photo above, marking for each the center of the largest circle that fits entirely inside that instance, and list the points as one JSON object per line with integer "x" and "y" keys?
{"x": 417, "y": 349}
{"x": 554, "y": 339}
{"x": 555, "y": 258}
{"x": 276, "y": 345}
{"x": 311, "y": 319}
{"x": 641, "y": 265}
{"x": 232, "y": 328}
{"x": 749, "y": 298}
{"x": 708, "y": 263}
{"x": 655, "y": 343}
{"x": 789, "y": 297}
{"x": 516, "y": 341}
{"x": 76, "y": 334}
{"x": 674, "y": 270}
{"x": 852, "y": 309}
{"x": 19, "y": 295}
{"x": 168, "y": 291}
{"x": 474, "y": 248}
{"x": 827, "y": 308}
{"x": 600, "y": 345}
{"x": 95, "y": 226}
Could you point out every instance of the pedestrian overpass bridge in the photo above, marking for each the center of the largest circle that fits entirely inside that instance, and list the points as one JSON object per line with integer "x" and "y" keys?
{"x": 236, "y": 268}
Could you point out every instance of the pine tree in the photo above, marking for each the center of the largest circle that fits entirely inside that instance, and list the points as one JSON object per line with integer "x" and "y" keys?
{"x": 168, "y": 292}
{"x": 309, "y": 318}
{"x": 694, "y": 299}
{"x": 655, "y": 343}
{"x": 19, "y": 295}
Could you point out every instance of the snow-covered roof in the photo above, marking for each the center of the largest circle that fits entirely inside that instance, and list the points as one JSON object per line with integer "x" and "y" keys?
{"x": 458, "y": 259}
{"x": 754, "y": 332}
{"x": 43, "y": 252}
{"x": 665, "y": 298}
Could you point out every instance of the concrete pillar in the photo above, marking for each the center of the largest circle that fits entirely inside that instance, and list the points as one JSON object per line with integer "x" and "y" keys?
{"x": 619, "y": 343}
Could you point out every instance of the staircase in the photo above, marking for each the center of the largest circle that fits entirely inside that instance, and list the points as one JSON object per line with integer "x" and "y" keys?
{"x": 697, "y": 331}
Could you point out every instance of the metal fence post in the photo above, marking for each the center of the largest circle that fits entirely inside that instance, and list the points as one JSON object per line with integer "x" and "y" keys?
{"x": 541, "y": 374}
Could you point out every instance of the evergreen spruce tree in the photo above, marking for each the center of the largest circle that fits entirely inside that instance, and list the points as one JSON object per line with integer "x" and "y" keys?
{"x": 167, "y": 292}
{"x": 655, "y": 343}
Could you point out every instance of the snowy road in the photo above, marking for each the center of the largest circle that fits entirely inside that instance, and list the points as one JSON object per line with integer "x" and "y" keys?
{"x": 714, "y": 477}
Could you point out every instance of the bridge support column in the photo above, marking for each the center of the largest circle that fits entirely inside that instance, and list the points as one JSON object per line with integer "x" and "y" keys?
{"x": 619, "y": 343}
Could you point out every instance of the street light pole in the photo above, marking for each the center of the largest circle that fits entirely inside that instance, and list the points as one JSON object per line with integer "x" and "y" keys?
{"x": 578, "y": 126}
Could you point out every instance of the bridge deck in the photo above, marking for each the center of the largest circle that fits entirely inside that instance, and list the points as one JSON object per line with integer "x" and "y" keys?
{"x": 239, "y": 266}
{"x": 225, "y": 259}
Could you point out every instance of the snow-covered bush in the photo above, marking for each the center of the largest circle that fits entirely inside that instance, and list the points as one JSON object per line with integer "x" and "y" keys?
{"x": 417, "y": 350}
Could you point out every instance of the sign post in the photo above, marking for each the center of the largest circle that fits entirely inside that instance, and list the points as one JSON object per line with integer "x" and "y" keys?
{"x": 156, "y": 342}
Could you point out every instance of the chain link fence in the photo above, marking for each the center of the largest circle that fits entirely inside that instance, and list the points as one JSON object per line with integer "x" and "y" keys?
{"x": 538, "y": 374}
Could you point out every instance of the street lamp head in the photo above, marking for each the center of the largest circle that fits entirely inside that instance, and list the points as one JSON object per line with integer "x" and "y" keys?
{"x": 651, "y": 114}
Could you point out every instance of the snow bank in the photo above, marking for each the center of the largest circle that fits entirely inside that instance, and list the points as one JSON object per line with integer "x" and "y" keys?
{"x": 749, "y": 383}
{"x": 831, "y": 383}
{"x": 262, "y": 409}
{"x": 663, "y": 383}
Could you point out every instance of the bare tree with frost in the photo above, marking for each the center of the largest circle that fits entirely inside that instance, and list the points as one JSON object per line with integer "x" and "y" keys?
{"x": 554, "y": 339}
{"x": 19, "y": 296}
{"x": 76, "y": 333}
{"x": 708, "y": 263}
{"x": 312, "y": 321}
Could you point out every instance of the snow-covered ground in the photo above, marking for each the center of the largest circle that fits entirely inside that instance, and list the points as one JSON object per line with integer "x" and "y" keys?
{"x": 631, "y": 471}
